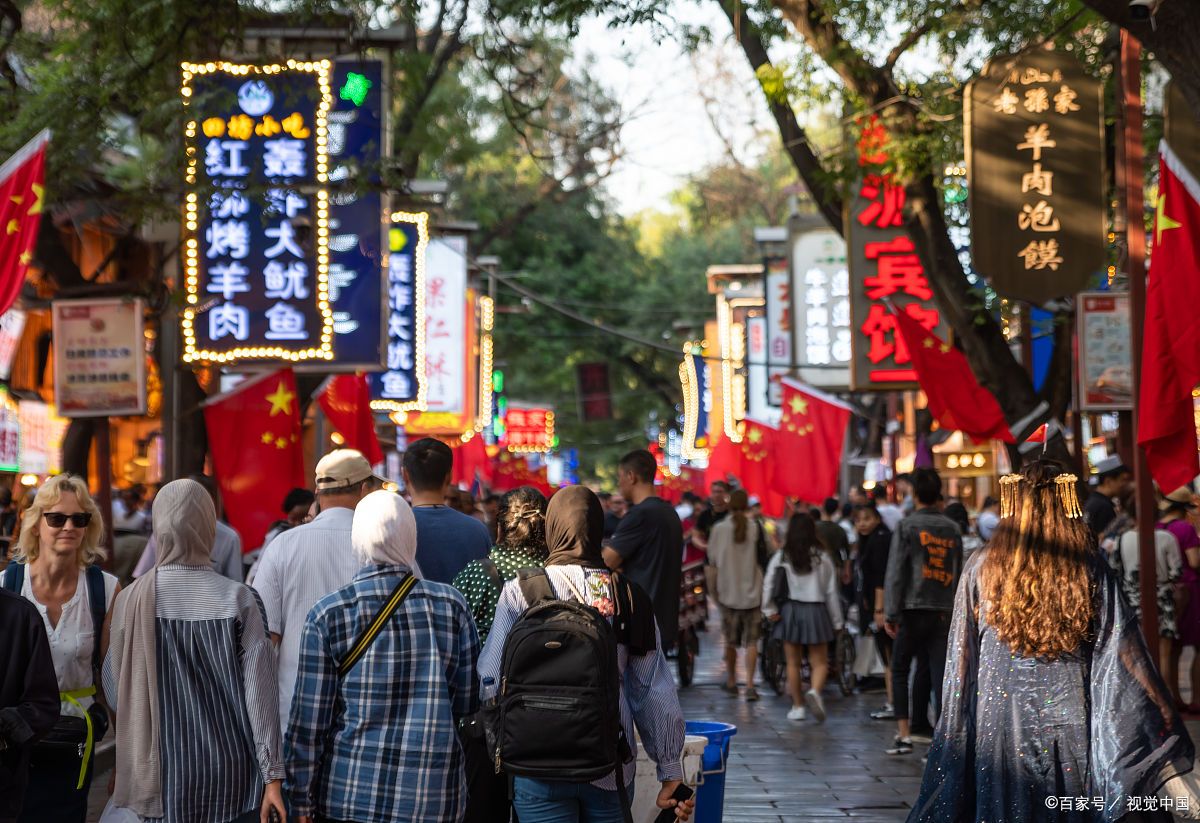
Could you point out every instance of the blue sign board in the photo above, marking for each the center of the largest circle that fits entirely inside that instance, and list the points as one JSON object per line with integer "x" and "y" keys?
{"x": 401, "y": 387}
{"x": 356, "y": 214}
{"x": 256, "y": 229}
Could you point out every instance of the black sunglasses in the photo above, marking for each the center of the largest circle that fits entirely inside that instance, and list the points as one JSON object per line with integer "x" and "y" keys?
{"x": 57, "y": 520}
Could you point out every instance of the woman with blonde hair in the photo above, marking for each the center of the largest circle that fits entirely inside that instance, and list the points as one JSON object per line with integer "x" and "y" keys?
{"x": 54, "y": 568}
{"x": 1050, "y": 693}
{"x": 732, "y": 552}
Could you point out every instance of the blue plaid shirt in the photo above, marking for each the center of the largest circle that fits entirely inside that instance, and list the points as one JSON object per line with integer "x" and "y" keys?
{"x": 381, "y": 743}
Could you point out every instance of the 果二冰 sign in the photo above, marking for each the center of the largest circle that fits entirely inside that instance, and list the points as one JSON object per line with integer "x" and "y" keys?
{"x": 1035, "y": 160}
{"x": 401, "y": 386}
{"x": 884, "y": 268}
{"x": 821, "y": 289}
{"x": 99, "y": 357}
{"x": 256, "y": 228}
{"x": 529, "y": 429}
{"x": 1105, "y": 351}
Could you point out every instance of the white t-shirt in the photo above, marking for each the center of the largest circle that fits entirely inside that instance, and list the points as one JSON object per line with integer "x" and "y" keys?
{"x": 295, "y": 570}
{"x": 71, "y": 641}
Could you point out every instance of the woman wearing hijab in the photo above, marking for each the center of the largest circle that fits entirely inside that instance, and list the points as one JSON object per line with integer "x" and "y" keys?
{"x": 373, "y": 732}
{"x": 191, "y": 676}
{"x": 1050, "y": 693}
{"x": 575, "y": 568}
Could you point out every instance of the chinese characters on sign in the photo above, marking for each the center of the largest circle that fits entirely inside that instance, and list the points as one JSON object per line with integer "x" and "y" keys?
{"x": 884, "y": 269}
{"x": 779, "y": 326}
{"x": 42, "y": 433}
{"x": 529, "y": 430}
{"x": 257, "y": 212}
{"x": 356, "y": 214}
{"x": 1035, "y": 153}
{"x": 401, "y": 387}
{"x": 99, "y": 357}
{"x": 1105, "y": 354}
{"x": 821, "y": 285}
{"x": 446, "y": 325}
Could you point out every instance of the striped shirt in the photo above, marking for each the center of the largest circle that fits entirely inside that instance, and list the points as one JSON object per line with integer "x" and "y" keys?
{"x": 382, "y": 742}
{"x": 218, "y": 736}
{"x": 297, "y": 569}
{"x": 480, "y": 590}
{"x": 648, "y": 696}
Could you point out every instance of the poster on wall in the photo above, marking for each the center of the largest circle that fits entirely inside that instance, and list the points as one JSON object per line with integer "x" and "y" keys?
{"x": 99, "y": 360}
{"x": 1105, "y": 351}
{"x": 42, "y": 433}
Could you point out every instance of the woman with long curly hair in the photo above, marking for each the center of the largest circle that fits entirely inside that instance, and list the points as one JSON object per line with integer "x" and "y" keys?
{"x": 1050, "y": 692}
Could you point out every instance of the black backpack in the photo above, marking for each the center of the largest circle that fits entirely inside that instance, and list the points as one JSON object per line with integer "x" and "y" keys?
{"x": 559, "y": 705}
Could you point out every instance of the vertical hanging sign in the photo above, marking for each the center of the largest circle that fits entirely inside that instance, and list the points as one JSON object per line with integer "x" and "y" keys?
{"x": 821, "y": 283}
{"x": 402, "y": 386}
{"x": 256, "y": 228}
{"x": 1035, "y": 160}
{"x": 884, "y": 267}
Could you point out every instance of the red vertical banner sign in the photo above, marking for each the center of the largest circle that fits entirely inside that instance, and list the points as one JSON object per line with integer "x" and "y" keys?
{"x": 884, "y": 266}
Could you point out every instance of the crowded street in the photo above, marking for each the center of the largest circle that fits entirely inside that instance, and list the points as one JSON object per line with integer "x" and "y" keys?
{"x": 599, "y": 411}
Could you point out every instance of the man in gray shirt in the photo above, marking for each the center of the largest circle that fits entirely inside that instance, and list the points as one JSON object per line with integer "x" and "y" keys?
{"x": 227, "y": 546}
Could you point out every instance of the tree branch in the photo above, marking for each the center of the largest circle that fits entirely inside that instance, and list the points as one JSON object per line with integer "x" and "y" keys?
{"x": 910, "y": 40}
{"x": 795, "y": 140}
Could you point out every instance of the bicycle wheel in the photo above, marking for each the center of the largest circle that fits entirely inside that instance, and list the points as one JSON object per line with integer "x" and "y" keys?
{"x": 844, "y": 661}
{"x": 772, "y": 662}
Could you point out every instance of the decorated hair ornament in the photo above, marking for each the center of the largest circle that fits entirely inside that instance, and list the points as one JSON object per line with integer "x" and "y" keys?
{"x": 1064, "y": 490}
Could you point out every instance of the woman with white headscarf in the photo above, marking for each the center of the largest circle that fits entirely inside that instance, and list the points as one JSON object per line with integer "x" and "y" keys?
{"x": 387, "y": 668}
{"x": 193, "y": 671}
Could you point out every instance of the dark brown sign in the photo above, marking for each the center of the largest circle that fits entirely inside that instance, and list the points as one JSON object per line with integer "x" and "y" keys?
{"x": 1182, "y": 129}
{"x": 885, "y": 271}
{"x": 595, "y": 395}
{"x": 1035, "y": 162}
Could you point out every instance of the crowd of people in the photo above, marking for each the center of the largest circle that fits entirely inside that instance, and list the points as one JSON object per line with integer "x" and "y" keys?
{"x": 372, "y": 667}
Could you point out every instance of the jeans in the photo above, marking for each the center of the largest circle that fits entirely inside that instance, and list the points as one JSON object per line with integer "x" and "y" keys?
{"x": 923, "y": 634}
{"x": 540, "y": 801}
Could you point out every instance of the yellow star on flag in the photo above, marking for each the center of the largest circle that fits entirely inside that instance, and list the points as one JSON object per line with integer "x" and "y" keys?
{"x": 39, "y": 194}
{"x": 1162, "y": 222}
{"x": 281, "y": 442}
{"x": 928, "y": 342}
{"x": 267, "y": 437}
{"x": 13, "y": 226}
{"x": 755, "y": 436}
{"x": 26, "y": 258}
{"x": 945, "y": 347}
{"x": 799, "y": 405}
{"x": 281, "y": 400}
{"x": 18, "y": 199}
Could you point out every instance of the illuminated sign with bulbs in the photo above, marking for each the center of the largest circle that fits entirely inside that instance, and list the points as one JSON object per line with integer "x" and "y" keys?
{"x": 256, "y": 215}
{"x": 402, "y": 386}
{"x": 529, "y": 430}
{"x": 967, "y": 464}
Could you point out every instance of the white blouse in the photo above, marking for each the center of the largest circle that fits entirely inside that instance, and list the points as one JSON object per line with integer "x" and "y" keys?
{"x": 71, "y": 640}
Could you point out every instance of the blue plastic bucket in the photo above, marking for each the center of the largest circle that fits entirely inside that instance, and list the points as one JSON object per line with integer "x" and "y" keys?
{"x": 710, "y": 793}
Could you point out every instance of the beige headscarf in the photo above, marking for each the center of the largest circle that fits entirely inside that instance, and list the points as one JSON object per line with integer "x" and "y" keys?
{"x": 185, "y": 525}
{"x": 385, "y": 531}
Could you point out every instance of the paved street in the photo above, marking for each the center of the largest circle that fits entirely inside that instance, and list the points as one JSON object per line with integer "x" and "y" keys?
{"x": 784, "y": 771}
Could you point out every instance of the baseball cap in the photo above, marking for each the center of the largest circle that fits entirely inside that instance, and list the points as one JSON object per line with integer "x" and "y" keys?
{"x": 343, "y": 467}
{"x": 1109, "y": 466}
{"x": 1181, "y": 498}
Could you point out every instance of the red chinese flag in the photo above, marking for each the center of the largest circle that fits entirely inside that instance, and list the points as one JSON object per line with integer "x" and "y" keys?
{"x": 471, "y": 462}
{"x": 955, "y": 397}
{"x": 724, "y": 460}
{"x": 1171, "y": 342}
{"x": 758, "y": 448}
{"x": 346, "y": 401}
{"x": 812, "y": 432}
{"x": 21, "y": 197}
{"x": 254, "y": 437}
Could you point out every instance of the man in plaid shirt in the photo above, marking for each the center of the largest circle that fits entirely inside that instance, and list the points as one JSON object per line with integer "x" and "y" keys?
{"x": 381, "y": 742}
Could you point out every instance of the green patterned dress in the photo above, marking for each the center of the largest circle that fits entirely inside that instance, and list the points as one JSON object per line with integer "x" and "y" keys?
{"x": 480, "y": 590}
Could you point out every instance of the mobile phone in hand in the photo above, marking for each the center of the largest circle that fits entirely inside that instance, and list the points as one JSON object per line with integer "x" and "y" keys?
{"x": 682, "y": 792}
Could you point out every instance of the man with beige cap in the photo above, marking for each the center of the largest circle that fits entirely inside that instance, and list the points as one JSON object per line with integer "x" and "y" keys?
{"x": 304, "y": 564}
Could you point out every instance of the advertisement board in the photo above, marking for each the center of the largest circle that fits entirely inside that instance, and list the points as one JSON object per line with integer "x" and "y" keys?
{"x": 99, "y": 357}
{"x": 1105, "y": 351}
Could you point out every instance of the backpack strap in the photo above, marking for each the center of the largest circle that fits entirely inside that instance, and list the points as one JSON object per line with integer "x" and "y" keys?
{"x": 14, "y": 577}
{"x": 368, "y": 637}
{"x": 535, "y": 585}
{"x": 490, "y": 569}
{"x": 96, "y": 597}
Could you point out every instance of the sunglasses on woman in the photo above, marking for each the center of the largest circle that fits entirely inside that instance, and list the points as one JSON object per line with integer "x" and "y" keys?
{"x": 57, "y": 520}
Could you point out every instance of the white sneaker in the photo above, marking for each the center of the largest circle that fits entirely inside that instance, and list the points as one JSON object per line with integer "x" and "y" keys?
{"x": 797, "y": 713}
{"x": 816, "y": 705}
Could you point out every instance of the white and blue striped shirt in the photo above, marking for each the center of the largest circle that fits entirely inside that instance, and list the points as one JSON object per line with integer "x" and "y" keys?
{"x": 648, "y": 695}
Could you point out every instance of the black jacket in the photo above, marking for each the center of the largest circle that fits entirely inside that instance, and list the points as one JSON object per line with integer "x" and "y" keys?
{"x": 28, "y": 696}
{"x": 923, "y": 565}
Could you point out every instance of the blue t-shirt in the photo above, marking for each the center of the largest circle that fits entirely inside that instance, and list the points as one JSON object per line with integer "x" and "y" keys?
{"x": 447, "y": 540}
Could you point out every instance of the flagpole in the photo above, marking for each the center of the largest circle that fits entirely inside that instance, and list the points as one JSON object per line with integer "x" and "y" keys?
{"x": 1133, "y": 161}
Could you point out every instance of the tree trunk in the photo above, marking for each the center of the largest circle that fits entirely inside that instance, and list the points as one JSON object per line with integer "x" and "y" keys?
{"x": 1173, "y": 39}
{"x": 77, "y": 446}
